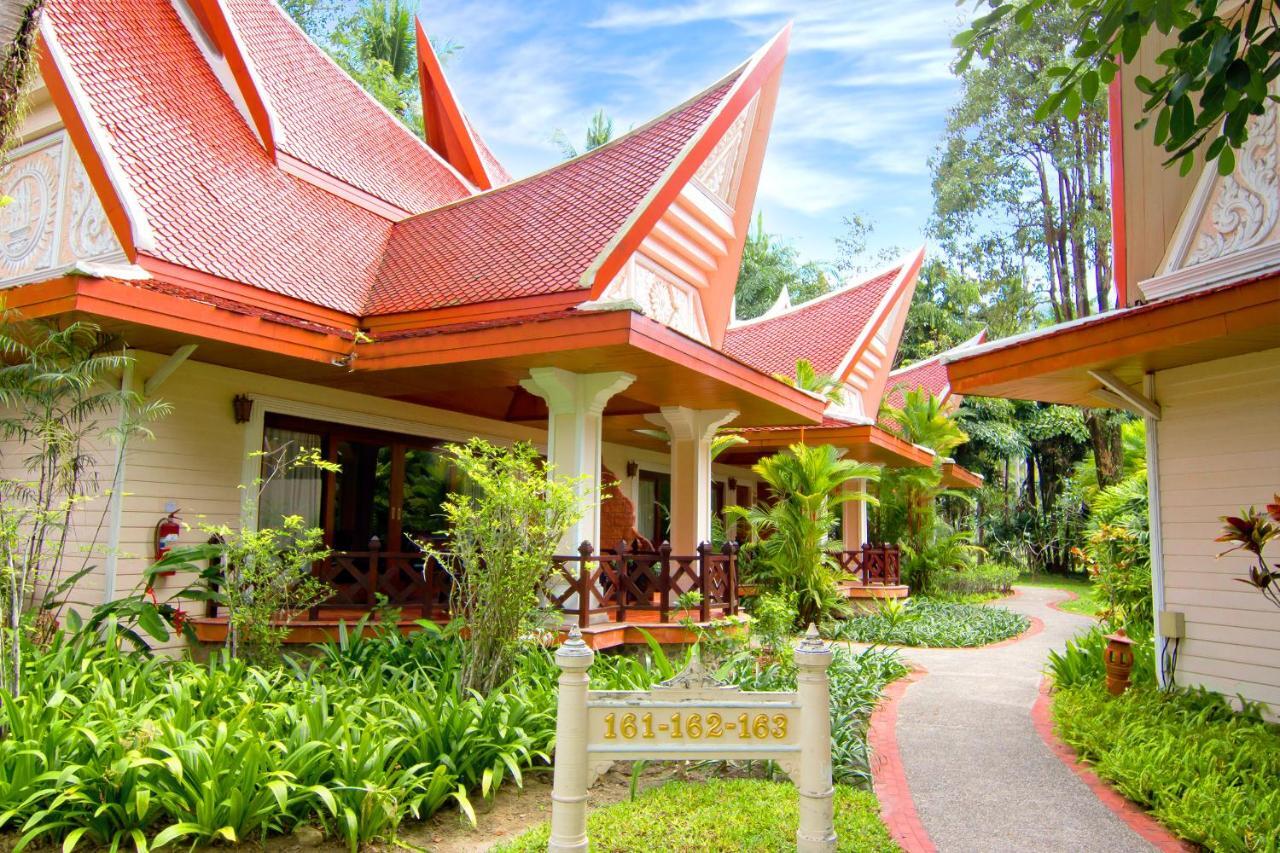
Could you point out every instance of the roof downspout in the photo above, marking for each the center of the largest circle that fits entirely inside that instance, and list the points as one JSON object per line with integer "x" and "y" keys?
{"x": 116, "y": 511}
{"x": 1115, "y": 127}
{"x": 1154, "y": 526}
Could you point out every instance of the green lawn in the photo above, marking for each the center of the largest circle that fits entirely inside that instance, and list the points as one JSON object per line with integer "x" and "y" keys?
{"x": 1086, "y": 605}
{"x": 719, "y": 815}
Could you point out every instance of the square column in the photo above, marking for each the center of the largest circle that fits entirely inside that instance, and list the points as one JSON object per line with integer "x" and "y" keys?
{"x": 575, "y": 416}
{"x": 691, "y": 432}
{"x": 854, "y": 517}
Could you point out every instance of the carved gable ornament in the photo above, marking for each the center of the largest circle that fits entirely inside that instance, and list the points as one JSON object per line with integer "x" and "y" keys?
{"x": 1229, "y": 228}
{"x": 658, "y": 295}
{"x": 54, "y": 220}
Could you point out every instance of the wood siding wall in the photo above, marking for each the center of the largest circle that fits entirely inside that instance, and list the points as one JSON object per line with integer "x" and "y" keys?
{"x": 1219, "y": 450}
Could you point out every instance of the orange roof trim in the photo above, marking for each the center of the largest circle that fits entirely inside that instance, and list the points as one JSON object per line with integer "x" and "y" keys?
{"x": 448, "y": 131}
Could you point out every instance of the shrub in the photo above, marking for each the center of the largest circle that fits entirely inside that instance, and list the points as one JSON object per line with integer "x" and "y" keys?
{"x": 1083, "y": 660}
{"x": 721, "y": 815}
{"x": 935, "y": 623}
{"x": 502, "y": 535}
{"x": 1205, "y": 771}
{"x": 980, "y": 579}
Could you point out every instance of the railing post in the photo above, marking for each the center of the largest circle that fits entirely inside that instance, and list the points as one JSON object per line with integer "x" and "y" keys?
{"x": 664, "y": 581}
{"x": 704, "y": 589}
{"x": 569, "y": 783}
{"x": 375, "y": 545}
{"x": 584, "y": 584}
{"x": 622, "y": 571}
{"x": 864, "y": 570}
{"x": 730, "y": 551}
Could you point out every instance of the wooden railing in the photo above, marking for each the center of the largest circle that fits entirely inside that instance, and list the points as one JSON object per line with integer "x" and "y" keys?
{"x": 616, "y": 584}
{"x": 878, "y": 565}
{"x": 403, "y": 578}
{"x": 587, "y": 586}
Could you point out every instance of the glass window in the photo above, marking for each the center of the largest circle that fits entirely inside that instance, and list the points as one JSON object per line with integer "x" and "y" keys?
{"x": 295, "y": 491}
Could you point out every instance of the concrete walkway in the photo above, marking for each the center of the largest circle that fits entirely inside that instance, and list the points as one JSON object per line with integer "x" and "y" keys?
{"x": 981, "y": 777}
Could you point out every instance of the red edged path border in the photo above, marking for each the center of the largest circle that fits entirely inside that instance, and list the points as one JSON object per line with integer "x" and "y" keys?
{"x": 1132, "y": 814}
{"x": 888, "y": 777}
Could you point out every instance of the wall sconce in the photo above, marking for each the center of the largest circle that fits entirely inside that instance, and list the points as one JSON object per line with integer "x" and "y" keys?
{"x": 633, "y": 468}
{"x": 733, "y": 484}
{"x": 242, "y": 407}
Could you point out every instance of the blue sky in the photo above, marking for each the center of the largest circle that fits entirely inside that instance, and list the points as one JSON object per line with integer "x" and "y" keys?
{"x": 863, "y": 101}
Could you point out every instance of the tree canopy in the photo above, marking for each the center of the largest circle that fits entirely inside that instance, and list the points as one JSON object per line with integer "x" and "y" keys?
{"x": 1217, "y": 73}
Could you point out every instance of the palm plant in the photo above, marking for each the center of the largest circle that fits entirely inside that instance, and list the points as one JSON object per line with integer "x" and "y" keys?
{"x": 922, "y": 419}
{"x": 60, "y": 392}
{"x": 793, "y": 531}
{"x": 808, "y": 378}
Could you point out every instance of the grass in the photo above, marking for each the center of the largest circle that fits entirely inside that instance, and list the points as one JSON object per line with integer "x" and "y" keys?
{"x": 1087, "y": 604}
{"x": 720, "y": 815}
{"x": 1203, "y": 770}
{"x": 927, "y": 622}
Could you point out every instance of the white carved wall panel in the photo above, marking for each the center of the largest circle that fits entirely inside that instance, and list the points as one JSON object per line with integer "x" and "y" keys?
{"x": 54, "y": 219}
{"x": 720, "y": 171}
{"x": 659, "y": 296}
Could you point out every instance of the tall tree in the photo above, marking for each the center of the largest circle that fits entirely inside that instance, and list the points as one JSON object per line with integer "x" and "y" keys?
{"x": 1011, "y": 184}
{"x": 1217, "y": 73}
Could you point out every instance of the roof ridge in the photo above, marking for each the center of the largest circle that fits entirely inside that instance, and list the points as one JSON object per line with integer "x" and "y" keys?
{"x": 894, "y": 268}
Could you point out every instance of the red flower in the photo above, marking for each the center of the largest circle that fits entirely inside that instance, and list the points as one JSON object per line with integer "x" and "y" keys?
{"x": 1274, "y": 509}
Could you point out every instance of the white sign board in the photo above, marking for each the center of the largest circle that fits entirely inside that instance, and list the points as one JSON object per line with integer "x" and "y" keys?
{"x": 692, "y": 717}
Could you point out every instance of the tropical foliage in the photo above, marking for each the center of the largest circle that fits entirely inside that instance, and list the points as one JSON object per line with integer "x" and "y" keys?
{"x": 502, "y": 534}
{"x": 771, "y": 266}
{"x": 922, "y": 621}
{"x": 19, "y": 26}
{"x": 790, "y": 552}
{"x": 1215, "y": 74}
{"x": 1251, "y": 532}
{"x": 1198, "y": 765}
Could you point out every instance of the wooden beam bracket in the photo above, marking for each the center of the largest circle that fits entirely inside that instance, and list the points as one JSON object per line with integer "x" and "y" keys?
{"x": 1116, "y": 392}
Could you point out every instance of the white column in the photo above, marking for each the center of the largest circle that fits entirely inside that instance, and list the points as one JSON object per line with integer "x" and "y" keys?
{"x": 854, "y": 517}
{"x": 575, "y": 416}
{"x": 569, "y": 782}
{"x": 817, "y": 832}
{"x": 691, "y": 432}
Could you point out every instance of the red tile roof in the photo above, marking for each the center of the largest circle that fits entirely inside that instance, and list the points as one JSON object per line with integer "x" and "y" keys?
{"x": 213, "y": 198}
{"x": 822, "y": 330}
{"x": 534, "y": 236}
{"x": 930, "y": 374}
{"x": 331, "y": 123}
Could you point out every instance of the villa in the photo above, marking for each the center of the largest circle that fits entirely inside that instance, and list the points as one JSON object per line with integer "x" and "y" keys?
{"x": 290, "y": 264}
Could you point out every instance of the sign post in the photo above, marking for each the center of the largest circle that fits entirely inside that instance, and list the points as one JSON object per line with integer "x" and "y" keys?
{"x": 693, "y": 717}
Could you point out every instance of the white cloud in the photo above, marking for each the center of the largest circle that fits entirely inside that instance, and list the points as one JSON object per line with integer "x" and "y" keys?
{"x": 797, "y": 185}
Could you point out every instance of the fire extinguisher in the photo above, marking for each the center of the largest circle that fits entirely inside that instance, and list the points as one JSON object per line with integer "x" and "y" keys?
{"x": 168, "y": 529}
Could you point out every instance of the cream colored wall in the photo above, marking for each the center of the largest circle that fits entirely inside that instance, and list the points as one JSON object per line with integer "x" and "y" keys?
{"x": 1218, "y": 452}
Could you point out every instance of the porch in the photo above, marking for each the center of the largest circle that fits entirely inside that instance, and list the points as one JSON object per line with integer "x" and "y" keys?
{"x": 611, "y": 596}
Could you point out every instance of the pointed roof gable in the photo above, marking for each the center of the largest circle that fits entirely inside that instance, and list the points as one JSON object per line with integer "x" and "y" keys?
{"x": 539, "y": 235}
{"x": 826, "y": 331}
{"x": 332, "y": 124}
{"x": 448, "y": 131}
{"x": 210, "y": 197}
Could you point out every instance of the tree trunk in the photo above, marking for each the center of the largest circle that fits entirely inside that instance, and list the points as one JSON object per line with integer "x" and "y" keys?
{"x": 1108, "y": 445}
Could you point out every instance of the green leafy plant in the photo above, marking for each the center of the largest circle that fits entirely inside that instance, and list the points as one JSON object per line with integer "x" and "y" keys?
{"x": 502, "y": 536}
{"x": 791, "y": 553}
{"x": 1214, "y": 76}
{"x": 61, "y": 393}
{"x": 985, "y": 580}
{"x": 1251, "y": 532}
{"x": 926, "y": 622}
{"x": 1083, "y": 659}
{"x": 1200, "y": 767}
